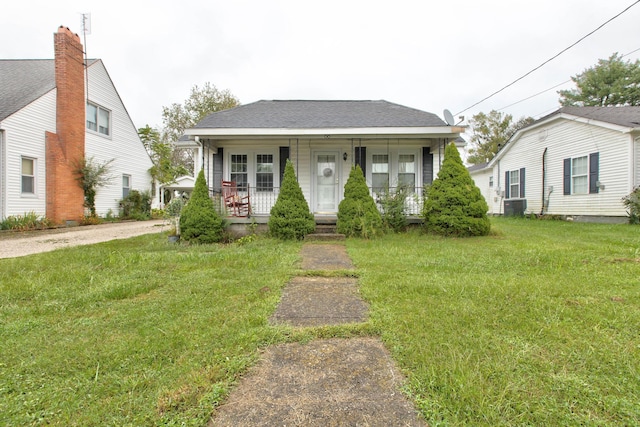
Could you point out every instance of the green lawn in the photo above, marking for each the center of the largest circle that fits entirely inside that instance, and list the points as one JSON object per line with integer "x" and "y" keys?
{"x": 537, "y": 324}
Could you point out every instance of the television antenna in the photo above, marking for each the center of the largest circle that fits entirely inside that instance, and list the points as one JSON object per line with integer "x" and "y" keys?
{"x": 86, "y": 29}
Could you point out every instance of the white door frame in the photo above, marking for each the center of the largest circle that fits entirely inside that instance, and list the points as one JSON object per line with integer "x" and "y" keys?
{"x": 337, "y": 174}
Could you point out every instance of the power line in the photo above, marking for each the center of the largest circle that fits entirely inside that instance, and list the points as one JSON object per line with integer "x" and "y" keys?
{"x": 550, "y": 59}
{"x": 553, "y": 87}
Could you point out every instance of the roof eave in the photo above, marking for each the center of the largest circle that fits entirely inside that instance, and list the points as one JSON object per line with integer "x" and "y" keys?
{"x": 375, "y": 132}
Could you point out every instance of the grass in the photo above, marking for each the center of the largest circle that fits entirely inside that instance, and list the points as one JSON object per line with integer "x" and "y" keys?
{"x": 537, "y": 324}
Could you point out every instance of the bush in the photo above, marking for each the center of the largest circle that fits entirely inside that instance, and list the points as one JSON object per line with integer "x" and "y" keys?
{"x": 454, "y": 205}
{"x": 632, "y": 203}
{"x": 199, "y": 221}
{"x": 392, "y": 204}
{"x": 358, "y": 215}
{"x": 290, "y": 217}
{"x": 137, "y": 205}
{"x": 27, "y": 221}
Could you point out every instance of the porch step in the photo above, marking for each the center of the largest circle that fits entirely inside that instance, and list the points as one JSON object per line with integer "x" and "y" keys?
{"x": 325, "y": 232}
{"x": 324, "y": 237}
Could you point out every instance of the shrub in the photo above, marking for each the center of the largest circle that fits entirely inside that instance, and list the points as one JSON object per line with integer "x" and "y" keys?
{"x": 392, "y": 204}
{"x": 454, "y": 205}
{"x": 632, "y": 203}
{"x": 199, "y": 221}
{"x": 137, "y": 205}
{"x": 358, "y": 215}
{"x": 27, "y": 221}
{"x": 290, "y": 217}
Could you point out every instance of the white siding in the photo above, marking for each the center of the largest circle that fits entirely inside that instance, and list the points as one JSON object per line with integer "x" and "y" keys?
{"x": 123, "y": 144}
{"x": 25, "y": 136}
{"x": 570, "y": 139}
{"x": 482, "y": 180}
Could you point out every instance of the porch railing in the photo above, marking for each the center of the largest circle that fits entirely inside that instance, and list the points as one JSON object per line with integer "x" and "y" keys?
{"x": 263, "y": 201}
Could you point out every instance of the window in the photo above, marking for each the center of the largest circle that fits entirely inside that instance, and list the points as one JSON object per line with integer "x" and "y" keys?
{"x": 126, "y": 185}
{"x": 239, "y": 170}
{"x": 514, "y": 184}
{"x": 98, "y": 119}
{"x": 264, "y": 172}
{"x": 28, "y": 176}
{"x": 491, "y": 181}
{"x": 380, "y": 172}
{"x": 407, "y": 171}
{"x": 581, "y": 174}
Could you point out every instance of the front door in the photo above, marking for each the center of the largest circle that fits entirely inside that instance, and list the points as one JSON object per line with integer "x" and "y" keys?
{"x": 327, "y": 180}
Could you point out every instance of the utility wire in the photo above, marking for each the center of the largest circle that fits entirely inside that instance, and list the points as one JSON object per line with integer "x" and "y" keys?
{"x": 550, "y": 59}
{"x": 559, "y": 84}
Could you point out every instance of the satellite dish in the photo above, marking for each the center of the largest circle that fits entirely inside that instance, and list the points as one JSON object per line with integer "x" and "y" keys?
{"x": 448, "y": 117}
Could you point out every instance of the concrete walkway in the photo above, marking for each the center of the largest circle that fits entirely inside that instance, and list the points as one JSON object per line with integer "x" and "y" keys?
{"x": 327, "y": 382}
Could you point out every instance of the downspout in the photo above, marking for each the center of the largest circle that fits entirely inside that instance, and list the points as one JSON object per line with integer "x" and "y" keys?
{"x": 544, "y": 178}
{"x": 2, "y": 169}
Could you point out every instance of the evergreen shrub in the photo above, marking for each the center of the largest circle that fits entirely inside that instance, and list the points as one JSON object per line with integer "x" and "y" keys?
{"x": 199, "y": 221}
{"x": 358, "y": 215}
{"x": 290, "y": 217}
{"x": 454, "y": 204}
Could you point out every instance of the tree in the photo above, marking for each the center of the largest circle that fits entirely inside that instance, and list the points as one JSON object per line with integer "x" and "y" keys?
{"x": 164, "y": 170}
{"x": 178, "y": 117}
{"x": 490, "y": 132}
{"x": 610, "y": 82}
{"x": 203, "y": 101}
{"x": 454, "y": 204}
{"x": 199, "y": 220}
{"x": 358, "y": 214}
{"x": 290, "y": 217}
{"x": 92, "y": 175}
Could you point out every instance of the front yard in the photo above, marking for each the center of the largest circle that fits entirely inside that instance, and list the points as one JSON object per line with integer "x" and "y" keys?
{"x": 537, "y": 324}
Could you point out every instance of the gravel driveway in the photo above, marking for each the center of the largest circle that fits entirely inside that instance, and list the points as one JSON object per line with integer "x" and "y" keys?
{"x": 16, "y": 244}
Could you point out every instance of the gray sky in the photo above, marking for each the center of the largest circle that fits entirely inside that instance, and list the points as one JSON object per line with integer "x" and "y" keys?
{"x": 429, "y": 55}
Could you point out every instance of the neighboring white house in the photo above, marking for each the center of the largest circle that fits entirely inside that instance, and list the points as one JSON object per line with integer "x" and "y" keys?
{"x": 249, "y": 144}
{"x": 48, "y": 122}
{"x": 577, "y": 162}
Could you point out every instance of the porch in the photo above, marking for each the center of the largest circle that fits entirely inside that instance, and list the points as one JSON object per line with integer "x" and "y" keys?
{"x": 262, "y": 202}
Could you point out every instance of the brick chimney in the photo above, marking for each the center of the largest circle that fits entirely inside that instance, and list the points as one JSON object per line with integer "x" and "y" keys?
{"x": 65, "y": 148}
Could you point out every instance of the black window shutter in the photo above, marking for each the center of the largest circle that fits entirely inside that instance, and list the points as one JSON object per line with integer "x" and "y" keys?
{"x": 594, "y": 172}
{"x": 427, "y": 166}
{"x": 506, "y": 185}
{"x": 284, "y": 155}
{"x": 216, "y": 185}
{"x": 361, "y": 158}
{"x": 522, "y": 183}
{"x": 567, "y": 176}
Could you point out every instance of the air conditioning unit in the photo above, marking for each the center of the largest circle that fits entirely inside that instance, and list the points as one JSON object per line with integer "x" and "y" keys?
{"x": 515, "y": 207}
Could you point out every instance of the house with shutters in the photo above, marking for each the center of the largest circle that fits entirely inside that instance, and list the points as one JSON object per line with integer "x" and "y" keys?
{"x": 250, "y": 144}
{"x": 577, "y": 162}
{"x": 54, "y": 112}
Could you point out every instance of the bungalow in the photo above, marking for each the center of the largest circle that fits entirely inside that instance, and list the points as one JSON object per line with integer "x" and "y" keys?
{"x": 48, "y": 122}
{"x": 577, "y": 162}
{"x": 249, "y": 144}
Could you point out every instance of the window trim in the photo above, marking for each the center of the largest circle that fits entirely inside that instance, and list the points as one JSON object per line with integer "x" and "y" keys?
{"x": 99, "y": 109}
{"x": 394, "y": 165}
{"x": 252, "y": 166}
{"x": 128, "y": 176}
{"x": 33, "y": 176}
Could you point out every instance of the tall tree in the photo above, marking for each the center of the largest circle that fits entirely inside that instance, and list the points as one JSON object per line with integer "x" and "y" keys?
{"x": 165, "y": 169}
{"x": 610, "y": 82}
{"x": 202, "y": 101}
{"x": 490, "y": 132}
{"x": 178, "y": 117}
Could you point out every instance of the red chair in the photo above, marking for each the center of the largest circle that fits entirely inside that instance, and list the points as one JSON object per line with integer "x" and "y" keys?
{"x": 235, "y": 203}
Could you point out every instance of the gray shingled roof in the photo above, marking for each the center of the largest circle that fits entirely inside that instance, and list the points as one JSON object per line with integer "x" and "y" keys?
{"x": 319, "y": 114}
{"x": 22, "y": 81}
{"x": 623, "y": 116}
